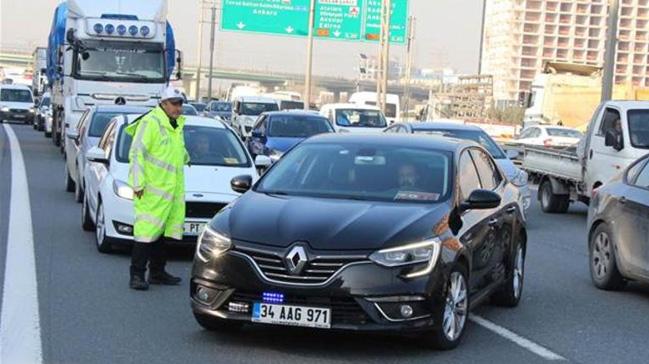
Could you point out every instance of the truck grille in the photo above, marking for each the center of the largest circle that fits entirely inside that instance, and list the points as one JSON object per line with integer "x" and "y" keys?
{"x": 204, "y": 210}
{"x": 18, "y": 111}
{"x": 316, "y": 271}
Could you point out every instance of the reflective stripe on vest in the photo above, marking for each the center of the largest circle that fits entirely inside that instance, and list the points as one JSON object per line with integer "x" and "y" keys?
{"x": 158, "y": 192}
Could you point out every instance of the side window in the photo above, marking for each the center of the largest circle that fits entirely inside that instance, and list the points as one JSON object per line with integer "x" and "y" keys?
{"x": 468, "y": 176}
{"x": 82, "y": 118}
{"x": 525, "y": 134}
{"x": 104, "y": 138}
{"x": 83, "y": 122}
{"x": 489, "y": 175}
{"x": 261, "y": 125}
{"x": 643, "y": 178}
{"x": 535, "y": 133}
{"x": 610, "y": 119}
{"x": 110, "y": 141}
{"x": 392, "y": 130}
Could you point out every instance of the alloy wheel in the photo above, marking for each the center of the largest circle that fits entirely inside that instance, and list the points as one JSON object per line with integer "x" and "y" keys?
{"x": 100, "y": 230}
{"x": 456, "y": 309}
{"x": 518, "y": 272}
{"x": 601, "y": 255}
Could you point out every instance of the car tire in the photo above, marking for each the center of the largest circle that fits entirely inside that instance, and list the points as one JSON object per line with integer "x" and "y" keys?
{"x": 104, "y": 244}
{"x": 512, "y": 290}
{"x": 551, "y": 202}
{"x": 602, "y": 257}
{"x": 78, "y": 191}
{"x": 216, "y": 324}
{"x": 451, "y": 313}
{"x": 69, "y": 182}
{"x": 86, "y": 220}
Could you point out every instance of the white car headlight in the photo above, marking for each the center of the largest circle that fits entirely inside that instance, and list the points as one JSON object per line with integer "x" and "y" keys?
{"x": 424, "y": 252}
{"x": 520, "y": 179}
{"x": 122, "y": 189}
{"x": 5, "y": 109}
{"x": 212, "y": 244}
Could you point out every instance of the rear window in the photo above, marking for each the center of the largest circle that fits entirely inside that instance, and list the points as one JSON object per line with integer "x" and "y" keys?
{"x": 298, "y": 126}
{"x": 565, "y": 133}
{"x": 14, "y": 95}
{"x": 99, "y": 123}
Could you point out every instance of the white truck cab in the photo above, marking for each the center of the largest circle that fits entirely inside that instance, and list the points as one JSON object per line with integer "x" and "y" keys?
{"x": 246, "y": 110}
{"x": 354, "y": 118}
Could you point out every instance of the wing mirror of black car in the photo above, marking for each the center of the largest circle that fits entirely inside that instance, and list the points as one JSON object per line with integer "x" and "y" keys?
{"x": 614, "y": 140}
{"x": 481, "y": 200}
{"x": 241, "y": 184}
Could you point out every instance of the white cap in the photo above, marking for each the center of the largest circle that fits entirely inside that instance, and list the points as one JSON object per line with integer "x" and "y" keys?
{"x": 171, "y": 93}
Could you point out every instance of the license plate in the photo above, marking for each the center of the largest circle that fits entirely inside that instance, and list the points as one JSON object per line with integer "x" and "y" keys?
{"x": 194, "y": 228}
{"x": 291, "y": 315}
{"x": 18, "y": 116}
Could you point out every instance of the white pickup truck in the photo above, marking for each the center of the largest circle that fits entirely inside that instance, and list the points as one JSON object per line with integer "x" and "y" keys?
{"x": 617, "y": 135}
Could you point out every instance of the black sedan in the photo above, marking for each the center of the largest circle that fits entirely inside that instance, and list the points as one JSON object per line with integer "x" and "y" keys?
{"x": 364, "y": 232}
{"x": 618, "y": 223}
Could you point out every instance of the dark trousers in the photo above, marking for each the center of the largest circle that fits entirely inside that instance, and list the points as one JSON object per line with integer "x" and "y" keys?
{"x": 155, "y": 254}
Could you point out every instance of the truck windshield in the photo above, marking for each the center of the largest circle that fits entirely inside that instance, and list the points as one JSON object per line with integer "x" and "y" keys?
{"x": 360, "y": 118}
{"x": 390, "y": 109}
{"x": 121, "y": 64}
{"x": 639, "y": 128}
{"x": 15, "y": 95}
{"x": 256, "y": 108}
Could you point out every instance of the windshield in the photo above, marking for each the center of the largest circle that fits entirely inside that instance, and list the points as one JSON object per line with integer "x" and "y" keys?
{"x": 364, "y": 172}
{"x": 128, "y": 64}
{"x": 477, "y": 136}
{"x": 207, "y": 146}
{"x": 99, "y": 122}
{"x": 221, "y": 107}
{"x": 45, "y": 102}
{"x": 199, "y": 107}
{"x": 189, "y": 110}
{"x": 256, "y": 108}
{"x": 291, "y": 105}
{"x": 360, "y": 118}
{"x": 390, "y": 109}
{"x": 14, "y": 95}
{"x": 639, "y": 128}
{"x": 566, "y": 133}
{"x": 298, "y": 126}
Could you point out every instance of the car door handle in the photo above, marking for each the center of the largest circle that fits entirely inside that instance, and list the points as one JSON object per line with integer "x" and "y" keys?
{"x": 622, "y": 200}
{"x": 493, "y": 222}
{"x": 511, "y": 210}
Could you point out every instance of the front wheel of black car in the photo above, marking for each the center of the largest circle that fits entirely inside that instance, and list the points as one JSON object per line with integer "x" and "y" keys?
{"x": 512, "y": 290}
{"x": 216, "y": 324}
{"x": 603, "y": 266}
{"x": 452, "y": 315}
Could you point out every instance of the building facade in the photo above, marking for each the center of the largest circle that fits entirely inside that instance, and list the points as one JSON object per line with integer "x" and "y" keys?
{"x": 519, "y": 36}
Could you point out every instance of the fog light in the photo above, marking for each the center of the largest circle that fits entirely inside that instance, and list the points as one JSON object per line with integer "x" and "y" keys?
{"x": 123, "y": 229}
{"x": 203, "y": 294}
{"x": 406, "y": 311}
{"x": 240, "y": 307}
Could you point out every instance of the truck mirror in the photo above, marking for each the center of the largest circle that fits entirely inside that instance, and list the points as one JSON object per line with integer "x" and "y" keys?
{"x": 613, "y": 140}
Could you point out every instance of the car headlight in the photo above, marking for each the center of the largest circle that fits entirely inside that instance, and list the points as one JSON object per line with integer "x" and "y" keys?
{"x": 4, "y": 109}
{"x": 520, "y": 179}
{"x": 32, "y": 110}
{"x": 418, "y": 253}
{"x": 212, "y": 244}
{"x": 123, "y": 190}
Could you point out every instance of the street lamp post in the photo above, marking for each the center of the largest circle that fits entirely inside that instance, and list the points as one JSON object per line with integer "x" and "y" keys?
{"x": 384, "y": 54}
{"x": 309, "y": 58}
{"x": 212, "y": 30}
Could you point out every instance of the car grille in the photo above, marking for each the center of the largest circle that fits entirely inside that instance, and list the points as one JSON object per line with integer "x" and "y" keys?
{"x": 205, "y": 210}
{"x": 18, "y": 111}
{"x": 316, "y": 271}
{"x": 344, "y": 310}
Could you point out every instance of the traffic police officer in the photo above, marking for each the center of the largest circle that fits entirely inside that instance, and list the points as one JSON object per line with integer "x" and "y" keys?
{"x": 156, "y": 162}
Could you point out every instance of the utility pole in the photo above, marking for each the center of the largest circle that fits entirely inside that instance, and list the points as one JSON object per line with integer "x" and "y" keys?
{"x": 608, "y": 78}
{"x": 384, "y": 54}
{"x": 199, "y": 56}
{"x": 411, "y": 38}
{"x": 212, "y": 30}
{"x": 309, "y": 58}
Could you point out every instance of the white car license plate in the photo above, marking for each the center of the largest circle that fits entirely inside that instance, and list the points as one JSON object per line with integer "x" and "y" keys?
{"x": 291, "y": 315}
{"x": 194, "y": 228}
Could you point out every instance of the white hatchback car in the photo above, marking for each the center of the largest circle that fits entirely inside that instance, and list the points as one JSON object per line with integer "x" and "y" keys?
{"x": 217, "y": 155}
{"x": 549, "y": 136}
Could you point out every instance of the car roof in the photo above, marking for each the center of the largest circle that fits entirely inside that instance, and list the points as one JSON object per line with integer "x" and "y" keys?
{"x": 546, "y": 126}
{"x": 418, "y": 141}
{"x": 16, "y": 86}
{"x": 293, "y": 113}
{"x": 629, "y": 104}
{"x": 433, "y": 125}
{"x": 350, "y": 106}
{"x": 260, "y": 99}
{"x": 192, "y": 120}
{"x": 125, "y": 109}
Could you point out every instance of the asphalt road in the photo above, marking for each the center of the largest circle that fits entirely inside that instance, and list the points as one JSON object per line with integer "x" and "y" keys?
{"x": 88, "y": 314}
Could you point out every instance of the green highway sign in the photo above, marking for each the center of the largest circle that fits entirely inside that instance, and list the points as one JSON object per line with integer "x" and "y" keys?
{"x": 354, "y": 20}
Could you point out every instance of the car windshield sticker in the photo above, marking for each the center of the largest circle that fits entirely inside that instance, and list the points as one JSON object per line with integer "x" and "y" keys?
{"x": 417, "y": 196}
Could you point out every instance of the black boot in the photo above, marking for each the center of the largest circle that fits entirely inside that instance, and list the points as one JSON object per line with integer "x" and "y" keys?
{"x": 157, "y": 273}
{"x": 139, "y": 258}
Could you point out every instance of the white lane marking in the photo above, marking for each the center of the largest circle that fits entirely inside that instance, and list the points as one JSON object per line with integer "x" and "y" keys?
{"x": 20, "y": 332}
{"x": 516, "y": 339}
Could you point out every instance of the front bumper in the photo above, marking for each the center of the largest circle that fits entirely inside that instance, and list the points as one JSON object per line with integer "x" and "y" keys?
{"x": 26, "y": 116}
{"x": 361, "y": 295}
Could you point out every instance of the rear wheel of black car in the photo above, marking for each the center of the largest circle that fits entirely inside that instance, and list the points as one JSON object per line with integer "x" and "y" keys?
{"x": 216, "y": 324}
{"x": 603, "y": 266}
{"x": 452, "y": 315}
{"x": 512, "y": 290}
{"x": 551, "y": 202}
{"x": 86, "y": 221}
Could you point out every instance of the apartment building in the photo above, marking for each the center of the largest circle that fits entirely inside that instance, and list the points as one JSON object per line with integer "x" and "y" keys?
{"x": 519, "y": 36}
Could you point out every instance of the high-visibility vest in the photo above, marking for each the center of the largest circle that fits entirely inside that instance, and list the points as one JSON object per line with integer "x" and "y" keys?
{"x": 156, "y": 166}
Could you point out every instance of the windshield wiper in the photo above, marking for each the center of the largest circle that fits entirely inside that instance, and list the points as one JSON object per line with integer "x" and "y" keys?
{"x": 278, "y": 193}
{"x": 131, "y": 74}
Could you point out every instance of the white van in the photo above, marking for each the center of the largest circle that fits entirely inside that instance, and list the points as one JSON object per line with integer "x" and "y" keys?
{"x": 246, "y": 110}
{"x": 355, "y": 118}
{"x": 392, "y": 104}
{"x": 17, "y": 103}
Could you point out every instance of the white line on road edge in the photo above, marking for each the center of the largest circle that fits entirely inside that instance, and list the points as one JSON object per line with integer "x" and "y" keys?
{"x": 516, "y": 339}
{"x": 20, "y": 332}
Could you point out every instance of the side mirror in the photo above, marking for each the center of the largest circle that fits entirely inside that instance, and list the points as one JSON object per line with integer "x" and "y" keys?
{"x": 481, "y": 200}
{"x": 613, "y": 140}
{"x": 72, "y": 134}
{"x": 241, "y": 184}
{"x": 513, "y": 153}
{"x": 263, "y": 161}
{"x": 257, "y": 134}
{"x": 97, "y": 155}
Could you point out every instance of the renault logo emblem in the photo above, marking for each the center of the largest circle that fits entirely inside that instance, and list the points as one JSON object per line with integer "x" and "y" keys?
{"x": 295, "y": 260}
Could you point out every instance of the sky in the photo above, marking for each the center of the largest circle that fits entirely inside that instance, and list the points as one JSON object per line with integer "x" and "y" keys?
{"x": 447, "y": 35}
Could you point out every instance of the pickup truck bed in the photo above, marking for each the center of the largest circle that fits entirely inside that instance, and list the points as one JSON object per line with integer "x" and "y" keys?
{"x": 558, "y": 163}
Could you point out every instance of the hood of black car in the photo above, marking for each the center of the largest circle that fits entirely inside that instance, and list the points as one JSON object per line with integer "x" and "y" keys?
{"x": 328, "y": 224}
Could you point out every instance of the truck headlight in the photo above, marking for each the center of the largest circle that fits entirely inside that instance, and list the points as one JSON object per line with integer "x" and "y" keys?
{"x": 212, "y": 244}
{"x": 520, "y": 179}
{"x": 32, "y": 110}
{"x": 122, "y": 189}
{"x": 417, "y": 253}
